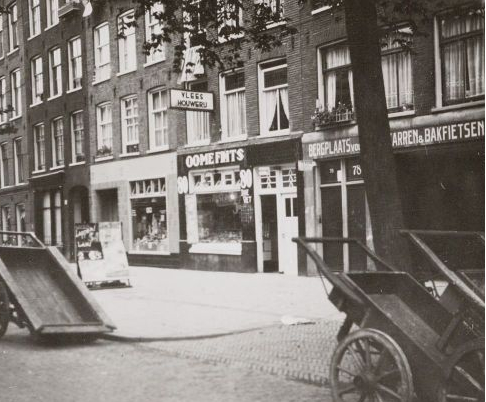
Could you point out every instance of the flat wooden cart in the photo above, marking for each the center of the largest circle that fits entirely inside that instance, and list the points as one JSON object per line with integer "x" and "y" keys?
{"x": 409, "y": 342}
{"x": 39, "y": 291}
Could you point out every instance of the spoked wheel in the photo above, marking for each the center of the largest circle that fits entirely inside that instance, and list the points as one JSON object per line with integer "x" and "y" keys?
{"x": 464, "y": 381}
{"x": 4, "y": 309}
{"x": 369, "y": 366}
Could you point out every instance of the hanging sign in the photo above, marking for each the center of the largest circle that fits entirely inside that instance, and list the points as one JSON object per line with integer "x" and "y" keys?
{"x": 191, "y": 100}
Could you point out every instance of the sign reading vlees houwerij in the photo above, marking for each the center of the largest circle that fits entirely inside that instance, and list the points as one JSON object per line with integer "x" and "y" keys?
{"x": 214, "y": 158}
{"x": 191, "y": 100}
{"x": 420, "y": 136}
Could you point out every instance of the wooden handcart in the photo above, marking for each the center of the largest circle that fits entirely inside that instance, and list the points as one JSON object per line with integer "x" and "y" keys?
{"x": 399, "y": 340}
{"x": 39, "y": 291}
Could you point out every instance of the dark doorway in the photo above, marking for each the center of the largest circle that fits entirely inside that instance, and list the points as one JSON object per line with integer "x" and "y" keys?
{"x": 108, "y": 205}
{"x": 269, "y": 233}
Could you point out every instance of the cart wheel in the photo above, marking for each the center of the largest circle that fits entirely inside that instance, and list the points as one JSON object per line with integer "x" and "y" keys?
{"x": 464, "y": 380}
{"x": 4, "y": 309}
{"x": 369, "y": 366}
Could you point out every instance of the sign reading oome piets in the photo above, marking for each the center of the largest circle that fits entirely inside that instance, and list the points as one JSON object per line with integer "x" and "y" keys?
{"x": 191, "y": 100}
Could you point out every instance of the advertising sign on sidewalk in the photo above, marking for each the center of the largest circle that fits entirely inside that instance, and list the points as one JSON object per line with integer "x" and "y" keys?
{"x": 100, "y": 253}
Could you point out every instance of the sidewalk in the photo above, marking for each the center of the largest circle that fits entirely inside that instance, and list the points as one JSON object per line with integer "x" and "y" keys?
{"x": 168, "y": 303}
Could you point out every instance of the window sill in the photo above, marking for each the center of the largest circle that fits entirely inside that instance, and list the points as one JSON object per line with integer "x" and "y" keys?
{"x": 51, "y": 26}
{"x": 233, "y": 139}
{"x": 54, "y": 97}
{"x": 100, "y": 81}
{"x": 2, "y": 57}
{"x": 13, "y": 51}
{"x": 216, "y": 248}
{"x": 129, "y": 154}
{"x": 151, "y": 63}
{"x": 38, "y": 171}
{"x": 320, "y": 10}
{"x": 155, "y": 150}
{"x": 32, "y": 37}
{"x": 464, "y": 105}
{"x": 13, "y": 118}
{"x": 70, "y": 91}
{"x": 120, "y": 73}
{"x": 277, "y": 134}
{"x": 401, "y": 114}
{"x": 20, "y": 184}
{"x": 77, "y": 163}
{"x": 5, "y": 187}
{"x": 198, "y": 143}
{"x": 103, "y": 158}
{"x": 142, "y": 252}
{"x": 35, "y": 104}
{"x": 56, "y": 168}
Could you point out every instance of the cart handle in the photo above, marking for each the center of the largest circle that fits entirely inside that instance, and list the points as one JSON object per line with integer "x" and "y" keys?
{"x": 326, "y": 271}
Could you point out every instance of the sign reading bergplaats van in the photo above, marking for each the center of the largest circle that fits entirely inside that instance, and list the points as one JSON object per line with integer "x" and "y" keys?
{"x": 191, "y": 100}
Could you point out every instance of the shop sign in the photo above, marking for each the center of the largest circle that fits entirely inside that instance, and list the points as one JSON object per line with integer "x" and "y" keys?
{"x": 245, "y": 196}
{"x": 215, "y": 158}
{"x": 191, "y": 100}
{"x": 421, "y": 136}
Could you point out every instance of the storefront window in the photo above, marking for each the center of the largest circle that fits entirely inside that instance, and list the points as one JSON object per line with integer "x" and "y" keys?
{"x": 149, "y": 215}
{"x": 218, "y": 217}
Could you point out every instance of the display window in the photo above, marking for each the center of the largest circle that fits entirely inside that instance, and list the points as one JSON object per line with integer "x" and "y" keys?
{"x": 149, "y": 215}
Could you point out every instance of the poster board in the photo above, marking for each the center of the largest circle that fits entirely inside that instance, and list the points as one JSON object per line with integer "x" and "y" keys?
{"x": 100, "y": 253}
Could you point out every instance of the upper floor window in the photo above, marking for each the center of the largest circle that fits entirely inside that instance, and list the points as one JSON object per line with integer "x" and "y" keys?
{"x": 129, "y": 116}
{"x": 18, "y": 161}
{"x": 34, "y": 17}
{"x": 37, "y": 80}
{"x": 77, "y": 137}
{"x": 2, "y": 47}
{"x": 39, "y": 148}
{"x": 104, "y": 130}
{"x": 15, "y": 86}
{"x": 153, "y": 32}
{"x": 102, "y": 52}
{"x": 233, "y": 104}
{"x": 462, "y": 54}
{"x": 4, "y": 164}
{"x": 57, "y": 140}
{"x": 52, "y": 12}
{"x": 274, "y": 98}
{"x": 55, "y": 78}
{"x": 3, "y": 100}
{"x": 231, "y": 20}
{"x": 75, "y": 63}
{"x": 127, "y": 49}
{"x": 13, "y": 28}
{"x": 396, "y": 62}
{"x": 277, "y": 8}
{"x": 197, "y": 122}
{"x": 158, "y": 124}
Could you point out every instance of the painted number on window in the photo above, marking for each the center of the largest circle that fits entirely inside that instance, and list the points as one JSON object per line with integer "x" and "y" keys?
{"x": 356, "y": 170}
{"x": 246, "y": 178}
{"x": 182, "y": 185}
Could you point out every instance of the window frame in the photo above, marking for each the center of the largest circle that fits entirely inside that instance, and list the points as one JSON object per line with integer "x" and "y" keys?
{"x": 34, "y": 18}
{"x": 151, "y": 25}
{"x": 3, "y": 100}
{"x": 151, "y": 120}
{"x": 55, "y": 68}
{"x": 18, "y": 161}
{"x": 13, "y": 27}
{"x": 57, "y": 143}
{"x": 124, "y": 124}
{"x": 72, "y": 62}
{"x": 192, "y": 114}
{"x": 101, "y": 65}
{"x": 224, "y": 108}
{"x": 74, "y": 155}
{"x": 100, "y": 125}
{"x": 125, "y": 53}
{"x": 16, "y": 93}
{"x": 39, "y": 148}
{"x": 52, "y": 11}
{"x": 4, "y": 179}
{"x": 37, "y": 97}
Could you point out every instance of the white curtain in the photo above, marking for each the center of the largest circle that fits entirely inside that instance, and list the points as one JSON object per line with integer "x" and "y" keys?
{"x": 197, "y": 126}
{"x": 335, "y": 57}
{"x": 388, "y": 64}
{"x": 475, "y": 65}
{"x": 405, "y": 78}
{"x": 235, "y": 114}
{"x": 284, "y": 98}
{"x": 270, "y": 107}
{"x": 454, "y": 71}
{"x": 351, "y": 86}
{"x": 331, "y": 89}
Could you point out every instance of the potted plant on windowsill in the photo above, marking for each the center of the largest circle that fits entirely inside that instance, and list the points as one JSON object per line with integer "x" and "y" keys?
{"x": 103, "y": 151}
{"x": 325, "y": 116}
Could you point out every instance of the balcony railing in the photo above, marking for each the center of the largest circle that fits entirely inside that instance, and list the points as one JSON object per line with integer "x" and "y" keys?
{"x": 324, "y": 116}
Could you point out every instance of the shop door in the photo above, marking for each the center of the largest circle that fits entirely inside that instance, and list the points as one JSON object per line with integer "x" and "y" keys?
{"x": 108, "y": 205}
{"x": 288, "y": 228}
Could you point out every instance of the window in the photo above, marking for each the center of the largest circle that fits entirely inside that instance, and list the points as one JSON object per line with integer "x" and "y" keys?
{"x": 396, "y": 62}
{"x": 105, "y": 136}
{"x": 52, "y": 12}
{"x": 77, "y": 137}
{"x": 462, "y": 55}
{"x": 57, "y": 139}
{"x": 274, "y": 98}
{"x": 3, "y": 100}
{"x": 37, "y": 80}
{"x": 18, "y": 161}
{"x": 39, "y": 148}
{"x": 157, "y": 109}
{"x": 6, "y": 220}
{"x": 34, "y": 18}
{"x": 51, "y": 218}
{"x": 153, "y": 32}
{"x": 2, "y": 50}
{"x": 102, "y": 52}
{"x": 197, "y": 122}
{"x": 127, "y": 50}
{"x": 13, "y": 33}
{"x": 20, "y": 217}
{"x": 277, "y": 8}
{"x": 55, "y": 79}
{"x": 4, "y": 164}
{"x": 194, "y": 23}
{"x": 16, "y": 93}
{"x": 129, "y": 115}
{"x": 75, "y": 63}
{"x": 149, "y": 215}
{"x": 232, "y": 20}
{"x": 233, "y": 105}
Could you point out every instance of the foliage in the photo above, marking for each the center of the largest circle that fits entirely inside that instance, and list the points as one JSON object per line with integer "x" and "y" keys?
{"x": 326, "y": 115}
{"x": 104, "y": 151}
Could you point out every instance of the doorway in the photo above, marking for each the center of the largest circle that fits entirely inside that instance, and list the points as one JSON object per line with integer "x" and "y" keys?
{"x": 269, "y": 233}
{"x": 108, "y": 205}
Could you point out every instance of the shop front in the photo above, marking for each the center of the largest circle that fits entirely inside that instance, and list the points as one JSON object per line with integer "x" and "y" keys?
{"x": 440, "y": 169}
{"x": 144, "y": 199}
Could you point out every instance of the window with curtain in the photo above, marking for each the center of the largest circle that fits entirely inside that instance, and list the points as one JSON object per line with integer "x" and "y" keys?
{"x": 55, "y": 67}
{"x": 104, "y": 130}
{"x": 396, "y": 63}
{"x": 102, "y": 52}
{"x": 127, "y": 50}
{"x": 57, "y": 135}
{"x": 34, "y": 18}
{"x": 462, "y": 53}
{"x": 16, "y": 93}
{"x": 129, "y": 109}
{"x": 338, "y": 78}
{"x": 75, "y": 64}
{"x": 197, "y": 122}
{"x": 274, "y": 98}
{"x": 77, "y": 137}
{"x": 37, "y": 80}
{"x": 39, "y": 148}
{"x": 233, "y": 104}
{"x": 158, "y": 122}
{"x": 52, "y": 12}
